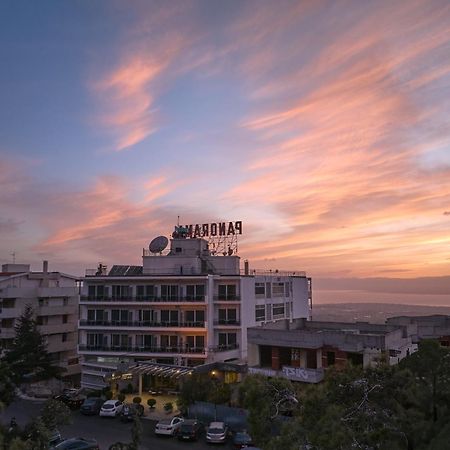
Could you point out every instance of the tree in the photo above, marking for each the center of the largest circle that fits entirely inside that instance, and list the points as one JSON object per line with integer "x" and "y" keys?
{"x": 265, "y": 399}
{"x": 28, "y": 356}
{"x": 431, "y": 365}
{"x": 7, "y": 386}
{"x": 54, "y": 414}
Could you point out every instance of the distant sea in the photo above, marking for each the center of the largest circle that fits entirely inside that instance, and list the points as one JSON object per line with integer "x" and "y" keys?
{"x": 352, "y": 306}
{"x": 352, "y": 296}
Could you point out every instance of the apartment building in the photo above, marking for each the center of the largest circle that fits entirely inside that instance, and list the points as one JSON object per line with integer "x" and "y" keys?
{"x": 54, "y": 299}
{"x": 302, "y": 350}
{"x": 428, "y": 327}
{"x": 183, "y": 308}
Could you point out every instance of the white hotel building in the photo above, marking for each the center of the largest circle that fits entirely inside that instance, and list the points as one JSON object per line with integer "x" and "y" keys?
{"x": 186, "y": 308}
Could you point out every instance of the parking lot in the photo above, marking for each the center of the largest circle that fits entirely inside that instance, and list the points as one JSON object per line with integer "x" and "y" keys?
{"x": 106, "y": 431}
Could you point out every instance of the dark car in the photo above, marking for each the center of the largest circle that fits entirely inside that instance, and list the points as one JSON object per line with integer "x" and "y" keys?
{"x": 91, "y": 406}
{"x": 73, "y": 401}
{"x": 78, "y": 444}
{"x": 190, "y": 430}
{"x": 130, "y": 411}
{"x": 55, "y": 438}
{"x": 242, "y": 439}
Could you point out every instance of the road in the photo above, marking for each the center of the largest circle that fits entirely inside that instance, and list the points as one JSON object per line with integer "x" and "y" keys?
{"x": 106, "y": 431}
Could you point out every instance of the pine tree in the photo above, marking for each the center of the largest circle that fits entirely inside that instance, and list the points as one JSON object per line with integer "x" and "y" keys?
{"x": 28, "y": 357}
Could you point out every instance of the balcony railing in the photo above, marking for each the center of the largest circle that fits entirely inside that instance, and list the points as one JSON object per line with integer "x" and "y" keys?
{"x": 130, "y": 349}
{"x": 139, "y": 298}
{"x": 226, "y": 298}
{"x": 225, "y": 348}
{"x": 227, "y": 322}
{"x": 102, "y": 323}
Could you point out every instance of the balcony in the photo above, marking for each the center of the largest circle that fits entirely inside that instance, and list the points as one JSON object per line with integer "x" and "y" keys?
{"x": 144, "y": 299}
{"x": 225, "y": 348}
{"x": 49, "y": 329}
{"x": 118, "y": 324}
{"x": 232, "y": 323}
{"x": 227, "y": 298}
{"x": 130, "y": 349}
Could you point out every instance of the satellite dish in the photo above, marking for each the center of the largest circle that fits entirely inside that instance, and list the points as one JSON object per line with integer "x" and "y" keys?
{"x": 158, "y": 244}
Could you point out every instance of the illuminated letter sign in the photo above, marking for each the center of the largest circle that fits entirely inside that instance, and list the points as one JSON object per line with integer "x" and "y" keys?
{"x": 211, "y": 229}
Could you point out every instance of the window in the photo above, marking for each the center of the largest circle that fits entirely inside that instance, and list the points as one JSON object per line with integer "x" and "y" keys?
{"x": 260, "y": 290}
{"x": 227, "y": 316}
{"x": 260, "y": 313}
{"x": 65, "y": 301}
{"x": 195, "y": 342}
{"x": 169, "y": 317}
{"x": 65, "y": 318}
{"x": 121, "y": 291}
{"x": 227, "y": 340}
{"x": 169, "y": 292}
{"x": 269, "y": 312}
{"x": 145, "y": 292}
{"x": 42, "y": 320}
{"x": 97, "y": 315}
{"x": 146, "y": 316}
{"x": 277, "y": 289}
{"x": 278, "y": 310}
{"x": 194, "y": 316}
{"x": 227, "y": 292}
{"x": 43, "y": 302}
{"x": 96, "y": 340}
{"x": 120, "y": 340}
{"x": 64, "y": 337}
{"x": 195, "y": 292}
{"x": 169, "y": 341}
{"x": 121, "y": 316}
{"x": 7, "y": 323}
{"x": 331, "y": 358}
{"x": 9, "y": 303}
{"x": 286, "y": 289}
{"x": 99, "y": 291}
{"x": 145, "y": 341}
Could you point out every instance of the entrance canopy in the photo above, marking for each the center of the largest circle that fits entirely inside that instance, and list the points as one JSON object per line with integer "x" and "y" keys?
{"x": 160, "y": 370}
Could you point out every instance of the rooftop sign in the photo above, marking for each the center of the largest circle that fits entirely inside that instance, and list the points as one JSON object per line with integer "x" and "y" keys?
{"x": 208, "y": 230}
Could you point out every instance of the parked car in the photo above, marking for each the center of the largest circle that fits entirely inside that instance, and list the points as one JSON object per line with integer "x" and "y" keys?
{"x": 111, "y": 408}
{"x": 169, "y": 427}
{"x": 91, "y": 406}
{"x": 78, "y": 444}
{"x": 242, "y": 439}
{"x": 130, "y": 411}
{"x": 55, "y": 438}
{"x": 72, "y": 399}
{"x": 217, "y": 433}
{"x": 190, "y": 430}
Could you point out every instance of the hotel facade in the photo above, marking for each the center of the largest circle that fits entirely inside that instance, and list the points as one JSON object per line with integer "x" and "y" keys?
{"x": 184, "y": 307}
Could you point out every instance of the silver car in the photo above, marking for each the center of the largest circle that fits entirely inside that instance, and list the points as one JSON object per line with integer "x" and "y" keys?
{"x": 169, "y": 427}
{"x": 217, "y": 433}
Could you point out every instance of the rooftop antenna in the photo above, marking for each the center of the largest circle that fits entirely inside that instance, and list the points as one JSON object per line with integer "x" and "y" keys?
{"x": 13, "y": 254}
{"x": 178, "y": 221}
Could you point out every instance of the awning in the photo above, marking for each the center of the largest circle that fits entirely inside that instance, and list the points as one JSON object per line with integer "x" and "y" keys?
{"x": 160, "y": 370}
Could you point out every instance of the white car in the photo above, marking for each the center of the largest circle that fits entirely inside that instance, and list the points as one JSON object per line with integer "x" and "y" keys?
{"x": 169, "y": 427}
{"x": 217, "y": 433}
{"x": 111, "y": 408}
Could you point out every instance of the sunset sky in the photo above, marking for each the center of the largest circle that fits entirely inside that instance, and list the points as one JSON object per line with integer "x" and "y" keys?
{"x": 323, "y": 125}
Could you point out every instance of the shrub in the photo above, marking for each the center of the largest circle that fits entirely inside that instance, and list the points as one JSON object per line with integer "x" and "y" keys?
{"x": 151, "y": 402}
{"x": 168, "y": 407}
{"x": 121, "y": 397}
{"x": 94, "y": 394}
{"x": 137, "y": 400}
